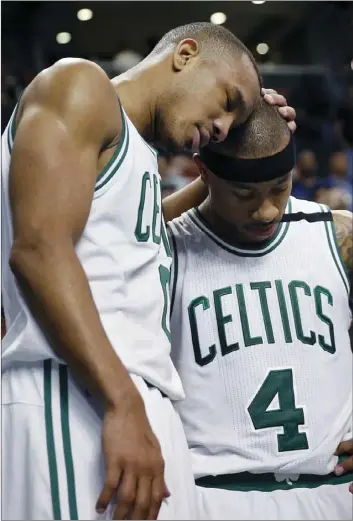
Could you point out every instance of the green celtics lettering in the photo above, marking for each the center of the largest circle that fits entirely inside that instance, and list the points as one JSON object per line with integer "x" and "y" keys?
{"x": 275, "y": 331}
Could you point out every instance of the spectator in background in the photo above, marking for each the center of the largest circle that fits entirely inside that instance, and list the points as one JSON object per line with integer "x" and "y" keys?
{"x": 337, "y": 191}
{"x": 334, "y": 198}
{"x": 345, "y": 123}
{"x": 305, "y": 181}
{"x": 176, "y": 172}
{"x": 184, "y": 166}
{"x": 125, "y": 60}
{"x": 345, "y": 118}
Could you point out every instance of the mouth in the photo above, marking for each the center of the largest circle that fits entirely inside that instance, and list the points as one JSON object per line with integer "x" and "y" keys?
{"x": 262, "y": 231}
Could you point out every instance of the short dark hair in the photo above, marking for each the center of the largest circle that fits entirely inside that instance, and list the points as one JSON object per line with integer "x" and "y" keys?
{"x": 213, "y": 38}
{"x": 261, "y": 135}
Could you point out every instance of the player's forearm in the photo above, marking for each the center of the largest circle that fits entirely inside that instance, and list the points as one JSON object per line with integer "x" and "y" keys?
{"x": 192, "y": 195}
{"x": 57, "y": 291}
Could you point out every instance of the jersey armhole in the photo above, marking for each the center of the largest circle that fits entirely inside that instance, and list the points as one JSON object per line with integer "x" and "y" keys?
{"x": 11, "y": 129}
{"x": 335, "y": 249}
{"x": 176, "y": 269}
{"x": 174, "y": 272}
{"x": 117, "y": 159}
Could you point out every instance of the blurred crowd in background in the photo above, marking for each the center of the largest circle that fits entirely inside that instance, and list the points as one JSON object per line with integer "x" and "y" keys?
{"x": 319, "y": 84}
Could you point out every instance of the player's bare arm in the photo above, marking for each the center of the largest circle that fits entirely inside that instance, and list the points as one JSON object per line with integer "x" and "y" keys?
{"x": 195, "y": 193}
{"x": 61, "y": 132}
{"x": 343, "y": 221}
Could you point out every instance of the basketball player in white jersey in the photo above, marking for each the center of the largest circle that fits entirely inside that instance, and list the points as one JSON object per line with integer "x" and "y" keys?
{"x": 87, "y": 375}
{"x": 260, "y": 320}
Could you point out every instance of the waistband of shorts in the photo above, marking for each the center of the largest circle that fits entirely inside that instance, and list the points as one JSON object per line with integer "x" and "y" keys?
{"x": 267, "y": 482}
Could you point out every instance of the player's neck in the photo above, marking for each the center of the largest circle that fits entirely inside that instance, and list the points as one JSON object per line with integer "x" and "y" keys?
{"x": 138, "y": 90}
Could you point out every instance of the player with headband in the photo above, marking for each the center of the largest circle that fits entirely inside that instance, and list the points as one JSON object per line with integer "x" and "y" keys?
{"x": 260, "y": 320}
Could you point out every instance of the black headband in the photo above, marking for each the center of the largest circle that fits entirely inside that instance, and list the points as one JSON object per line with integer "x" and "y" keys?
{"x": 250, "y": 170}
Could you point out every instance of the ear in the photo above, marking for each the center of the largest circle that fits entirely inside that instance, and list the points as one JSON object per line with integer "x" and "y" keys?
{"x": 184, "y": 51}
{"x": 202, "y": 168}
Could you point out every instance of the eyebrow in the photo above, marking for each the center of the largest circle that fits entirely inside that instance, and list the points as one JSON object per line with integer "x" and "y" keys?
{"x": 249, "y": 186}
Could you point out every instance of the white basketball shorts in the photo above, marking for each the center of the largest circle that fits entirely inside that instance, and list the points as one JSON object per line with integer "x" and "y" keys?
{"x": 52, "y": 463}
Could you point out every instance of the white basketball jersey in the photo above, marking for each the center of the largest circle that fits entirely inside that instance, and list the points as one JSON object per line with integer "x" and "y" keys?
{"x": 260, "y": 340}
{"x": 126, "y": 256}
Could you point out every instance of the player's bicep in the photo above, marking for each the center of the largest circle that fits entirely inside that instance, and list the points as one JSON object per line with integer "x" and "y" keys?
{"x": 52, "y": 178}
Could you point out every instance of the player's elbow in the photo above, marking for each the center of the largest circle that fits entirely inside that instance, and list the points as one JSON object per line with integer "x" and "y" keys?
{"x": 31, "y": 254}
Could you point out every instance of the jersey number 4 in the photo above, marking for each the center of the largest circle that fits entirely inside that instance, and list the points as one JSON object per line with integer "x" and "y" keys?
{"x": 287, "y": 416}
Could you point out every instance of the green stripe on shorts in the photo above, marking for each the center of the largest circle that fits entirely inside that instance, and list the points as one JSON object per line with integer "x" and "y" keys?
{"x": 66, "y": 440}
{"x": 53, "y": 469}
{"x": 65, "y": 429}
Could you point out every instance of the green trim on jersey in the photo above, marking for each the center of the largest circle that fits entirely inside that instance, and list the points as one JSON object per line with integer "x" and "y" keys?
{"x": 247, "y": 481}
{"x": 49, "y": 429}
{"x": 65, "y": 429}
{"x": 175, "y": 273}
{"x": 11, "y": 131}
{"x": 66, "y": 440}
{"x": 253, "y": 250}
{"x": 154, "y": 152}
{"x": 334, "y": 249}
{"x": 117, "y": 158}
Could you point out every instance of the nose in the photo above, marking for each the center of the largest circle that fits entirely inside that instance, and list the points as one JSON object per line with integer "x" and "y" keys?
{"x": 266, "y": 212}
{"x": 221, "y": 128}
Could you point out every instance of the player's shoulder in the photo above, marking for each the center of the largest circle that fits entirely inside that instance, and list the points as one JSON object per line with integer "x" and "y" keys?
{"x": 342, "y": 215}
{"x": 343, "y": 223}
{"x": 74, "y": 88}
{"x": 68, "y": 74}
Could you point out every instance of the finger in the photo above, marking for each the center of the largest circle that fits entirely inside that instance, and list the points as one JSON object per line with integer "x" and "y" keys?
{"x": 111, "y": 483}
{"x": 344, "y": 447}
{"x": 143, "y": 498}
{"x": 292, "y": 126}
{"x": 126, "y": 495}
{"x": 158, "y": 493}
{"x": 344, "y": 466}
{"x": 166, "y": 492}
{"x": 287, "y": 113}
{"x": 268, "y": 91}
{"x": 276, "y": 99}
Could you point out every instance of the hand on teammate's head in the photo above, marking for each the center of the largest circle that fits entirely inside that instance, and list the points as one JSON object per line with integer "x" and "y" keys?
{"x": 288, "y": 113}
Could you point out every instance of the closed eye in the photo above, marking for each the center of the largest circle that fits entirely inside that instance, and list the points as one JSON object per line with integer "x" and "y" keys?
{"x": 279, "y": 189}
{"x": 244, "y": 196}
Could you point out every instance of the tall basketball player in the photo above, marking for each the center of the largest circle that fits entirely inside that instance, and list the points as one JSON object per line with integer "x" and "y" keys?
{"x": 87, "y": 374}
{"x": 260, "y": 320}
